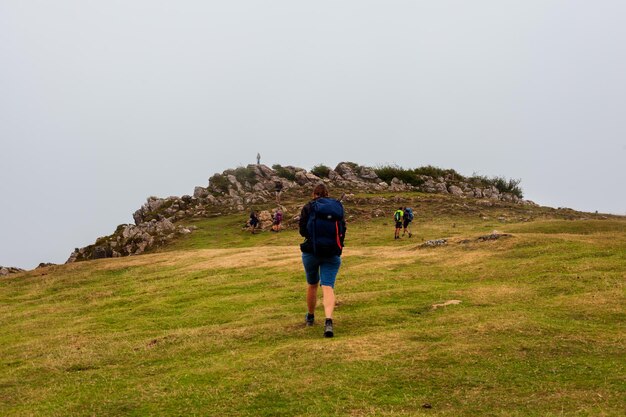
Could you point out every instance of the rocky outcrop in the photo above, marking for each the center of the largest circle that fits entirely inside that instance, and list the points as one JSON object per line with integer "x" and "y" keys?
{"x": 129, "y": 239}
{"x": 235, "y": 190}
{"x": 6, "y": 270}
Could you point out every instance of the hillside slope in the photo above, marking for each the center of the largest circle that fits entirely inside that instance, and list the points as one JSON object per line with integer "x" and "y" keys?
{"x": 213, "y": 323}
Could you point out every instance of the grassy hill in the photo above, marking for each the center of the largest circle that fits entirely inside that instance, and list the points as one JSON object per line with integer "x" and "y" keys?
{"x": 213, "y": 325}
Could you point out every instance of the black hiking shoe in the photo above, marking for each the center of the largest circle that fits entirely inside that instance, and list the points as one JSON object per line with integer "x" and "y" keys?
{"x": 328, "y": 328}
{"x": 309, "y": 319}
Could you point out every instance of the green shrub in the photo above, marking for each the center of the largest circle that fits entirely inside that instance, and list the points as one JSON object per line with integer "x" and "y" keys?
{"x": 502, "y": 184}
{"x": 219, "y": 182}
{"x": 284, "y": 172}
{"x": 244, "y": 174}
{"x": 389, "y": 172}
{"x": 508, "y": 186}
{"x": 320, "y": 170}
{"x": 436, "y": 172}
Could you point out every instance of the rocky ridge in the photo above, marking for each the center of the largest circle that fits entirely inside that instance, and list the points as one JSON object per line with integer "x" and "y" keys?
{"x": 157, "y": 222}
{"x": 6, "y": 270}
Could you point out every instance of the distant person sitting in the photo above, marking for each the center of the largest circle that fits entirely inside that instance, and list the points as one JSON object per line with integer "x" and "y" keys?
{"x": 278, "y": 219}
{"x": 254, "y": 221}
{"x": 397, "y": 217}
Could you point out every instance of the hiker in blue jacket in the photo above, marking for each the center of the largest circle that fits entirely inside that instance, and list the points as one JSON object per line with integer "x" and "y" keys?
{"x": 322, "y": 224}
{"x": 407, "y": 218}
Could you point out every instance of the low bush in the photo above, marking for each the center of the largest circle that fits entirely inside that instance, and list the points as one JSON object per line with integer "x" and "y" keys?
{"x": 244, "y": 174}
{"x": 508, "y": 186}
{"x": 389, "y": 172}
{"x": 284, "y": 172}
{"x": 320, "y": 170}
{"x": 219, "y": 182}
{"x": 502, "y": 184}
{"x": 435, "y": 172}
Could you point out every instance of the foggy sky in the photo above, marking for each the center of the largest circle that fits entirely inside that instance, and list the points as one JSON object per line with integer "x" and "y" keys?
{"x": 103, "y": 104}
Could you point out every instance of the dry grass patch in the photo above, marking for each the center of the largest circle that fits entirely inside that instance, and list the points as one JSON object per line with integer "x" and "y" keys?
{"x": 241, "y": 258}
{"x": 494, "y": 294}
{"x": 385, "y": 258}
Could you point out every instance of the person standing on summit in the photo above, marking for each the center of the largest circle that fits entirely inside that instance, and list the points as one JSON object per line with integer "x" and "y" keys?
{"x": 322, "y": 224}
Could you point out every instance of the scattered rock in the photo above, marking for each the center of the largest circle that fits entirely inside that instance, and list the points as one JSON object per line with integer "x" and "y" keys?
{"x": 434, "y": 243}
{"x": 446, "y": 303}
{"x": 493, "y": 236}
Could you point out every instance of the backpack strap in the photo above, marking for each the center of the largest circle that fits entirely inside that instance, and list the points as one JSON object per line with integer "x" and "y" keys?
{"x": 337, "y": 235}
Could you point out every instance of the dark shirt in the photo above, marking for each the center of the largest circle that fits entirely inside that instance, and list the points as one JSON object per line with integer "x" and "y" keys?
{"x": 304, "y": 218}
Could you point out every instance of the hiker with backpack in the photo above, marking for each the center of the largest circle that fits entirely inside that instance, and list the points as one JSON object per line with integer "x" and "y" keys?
{"x": 254, "y": 221}
{"x": 322, "y": 224}
{"x": 278, "y": 189}
{"x": 407, "y": 219}
{"x": 397, "y": 217}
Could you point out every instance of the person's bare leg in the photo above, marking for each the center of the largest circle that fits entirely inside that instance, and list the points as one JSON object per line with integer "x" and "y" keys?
{"x": 329, "y": 301}
{"x": 311, "y": 298}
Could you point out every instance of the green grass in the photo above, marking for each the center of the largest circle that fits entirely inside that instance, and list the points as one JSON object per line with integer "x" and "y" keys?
{"x": 213, "y": 325}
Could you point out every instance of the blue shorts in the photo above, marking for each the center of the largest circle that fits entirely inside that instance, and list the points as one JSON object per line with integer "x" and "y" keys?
{"x": 317, "y": 267}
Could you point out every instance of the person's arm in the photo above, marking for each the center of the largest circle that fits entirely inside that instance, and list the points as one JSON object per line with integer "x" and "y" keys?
{"x": 345, "y": 228}
{"x": 304, "y": 218}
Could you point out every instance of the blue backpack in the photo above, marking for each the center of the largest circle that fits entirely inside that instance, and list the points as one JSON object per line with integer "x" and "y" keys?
{"x": 326, "y": 227}
{"x": 409, "y": 213}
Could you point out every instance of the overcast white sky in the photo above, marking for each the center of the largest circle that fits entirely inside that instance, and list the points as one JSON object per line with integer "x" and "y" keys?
{"x": 105, "y": 103}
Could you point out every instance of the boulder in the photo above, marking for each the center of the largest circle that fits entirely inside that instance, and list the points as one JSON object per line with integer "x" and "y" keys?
{"x": 368, "y": 174}
{"x": 334, "y": 175}
{"x": 100, "y": 252}
{"x": 304, "y": 178}
{"x": 440, "y": 187}
{"x": 345, "y": 170}
{"x": 262, "y": 172}
{"x": 454, "y": 190}
{"x": 397, "y": 185}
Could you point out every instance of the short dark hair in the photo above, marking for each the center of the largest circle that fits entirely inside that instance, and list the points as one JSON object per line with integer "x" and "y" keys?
{"x": 320, "y": 190}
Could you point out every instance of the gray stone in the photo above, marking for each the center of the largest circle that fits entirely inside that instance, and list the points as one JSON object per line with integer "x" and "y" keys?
{"x": 454, "y": 190}
{"x": 440, "y": 187}
{"x": 434, "y": 243}
{"x": 368, "y": 174}
{"x": 346, "y": 172}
